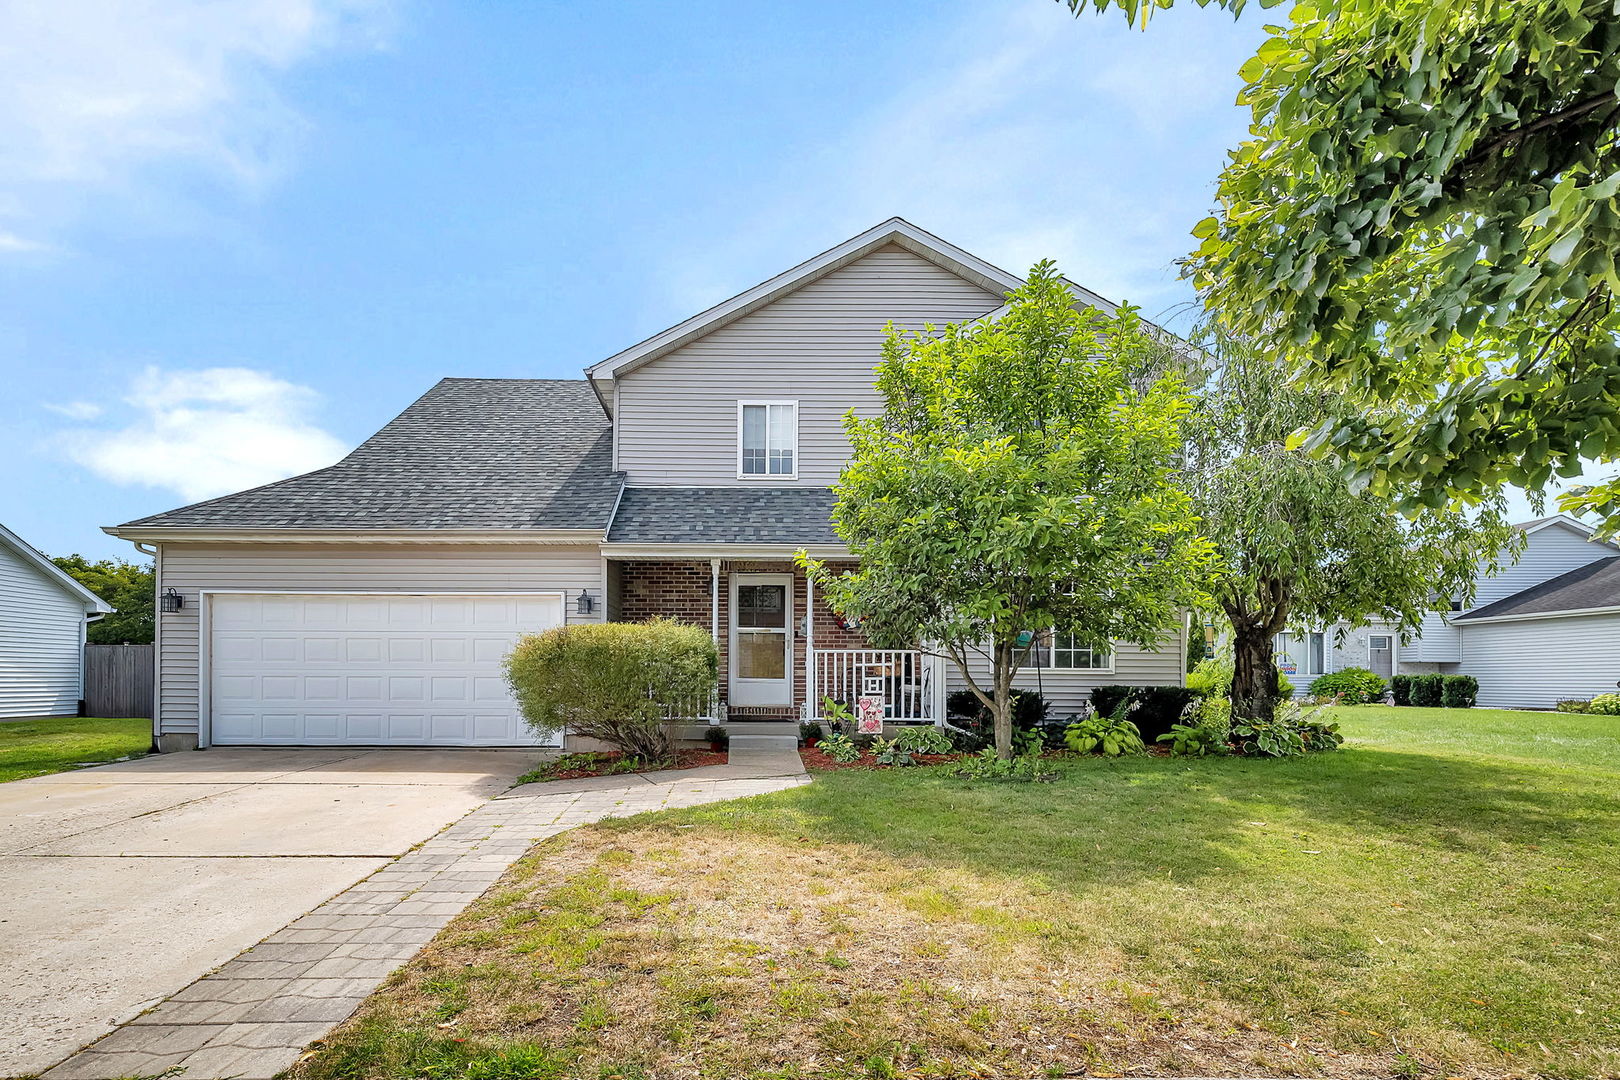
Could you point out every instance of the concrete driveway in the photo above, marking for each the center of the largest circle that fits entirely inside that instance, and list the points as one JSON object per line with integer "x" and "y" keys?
{"x": 121, "y": 884}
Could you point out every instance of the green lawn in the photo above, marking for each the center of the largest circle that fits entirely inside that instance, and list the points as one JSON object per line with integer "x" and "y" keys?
{"x": 37, "y": 747}
{"x": 1440, "y": 897}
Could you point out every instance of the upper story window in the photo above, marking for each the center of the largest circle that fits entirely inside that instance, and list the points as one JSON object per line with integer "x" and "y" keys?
{"x": 1062, "y": 651}
{"x": 767, "y": 440}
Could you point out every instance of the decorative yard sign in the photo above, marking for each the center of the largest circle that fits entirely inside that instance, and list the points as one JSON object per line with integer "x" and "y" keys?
{"x": 869, "y": 714}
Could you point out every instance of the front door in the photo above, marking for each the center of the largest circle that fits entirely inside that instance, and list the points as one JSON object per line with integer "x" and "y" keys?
{"x": 1381, "y": 654}
{"x": 761, "y": 639}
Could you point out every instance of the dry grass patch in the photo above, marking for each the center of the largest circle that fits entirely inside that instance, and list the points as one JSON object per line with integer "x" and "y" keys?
{"x": 663, "y": 951}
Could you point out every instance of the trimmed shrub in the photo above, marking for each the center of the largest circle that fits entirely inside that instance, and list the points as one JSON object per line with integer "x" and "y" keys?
{"x": 1427, "y": 690}
{"x": 617, "y": 682}
{"x": 1573, "y": 705}
{"x": 1400, "y": 689}
{"x": 718, "y": 737}
{"x": 1352, "y": 686}
{"x": 1606, "y": 704}
{"x": 1157, "y": 707}
{"x": 1459, "y": 691}
{"x": 1029, "y": 709}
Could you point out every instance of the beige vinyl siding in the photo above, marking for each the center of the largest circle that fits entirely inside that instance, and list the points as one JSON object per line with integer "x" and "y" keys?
{"x": 1533, "y": 663}
{"x": 1070, "y": 691}
{"x": 677, "y": 415}
{"x": 40, "y": 642}
{"x": 382, "y": 568}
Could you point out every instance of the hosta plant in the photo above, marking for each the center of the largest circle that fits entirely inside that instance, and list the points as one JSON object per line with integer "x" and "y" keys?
{"x": 924, "y": 740}
{"x": 1110, "y": 736}
{"x": 890, "y": 752}
{"x": 1189, "y": 740}
{"x": 840, "y": 747}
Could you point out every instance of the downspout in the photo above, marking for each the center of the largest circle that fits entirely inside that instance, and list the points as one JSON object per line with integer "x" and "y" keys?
{"x": 153, "y": 553}
{"x": 809, "y": 712}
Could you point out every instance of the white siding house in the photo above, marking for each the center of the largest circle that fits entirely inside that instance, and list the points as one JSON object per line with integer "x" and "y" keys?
{"x": 1537, "y": 631}
{"x": 42, "y": 618}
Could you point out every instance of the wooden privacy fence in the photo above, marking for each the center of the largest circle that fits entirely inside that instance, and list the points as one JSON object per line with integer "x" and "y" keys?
{"x": 118, "y": 680}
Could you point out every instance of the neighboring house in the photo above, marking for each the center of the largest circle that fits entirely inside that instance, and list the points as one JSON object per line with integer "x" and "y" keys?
{"x": 41, "y": 632}
{"x": 1544, "y": 626}
{"x": 373, "y": 601}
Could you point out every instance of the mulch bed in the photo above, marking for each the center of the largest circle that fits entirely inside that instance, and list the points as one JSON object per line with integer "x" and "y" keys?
{"x": 816, "y": 761}
{"x": 602, "y": 764}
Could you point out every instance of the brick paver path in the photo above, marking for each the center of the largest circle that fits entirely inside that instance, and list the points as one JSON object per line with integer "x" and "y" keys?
{"x": 253, "y": 1017}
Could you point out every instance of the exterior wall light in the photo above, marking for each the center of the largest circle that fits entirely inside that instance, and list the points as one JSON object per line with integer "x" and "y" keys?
{"x": 585, "y": 604}
{"x": 172, "y": 601}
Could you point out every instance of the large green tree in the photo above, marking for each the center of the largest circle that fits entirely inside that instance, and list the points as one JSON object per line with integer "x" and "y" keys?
{"x": 1427, "y": 216}
{"x": 1018, "y": 480}
{"x": 127, "y": 586}
{"x": 1298, "y": 546}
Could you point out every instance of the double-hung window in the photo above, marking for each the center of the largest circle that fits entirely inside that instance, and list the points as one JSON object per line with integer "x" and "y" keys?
{"x": 767, "y": 440}
{"x": 1057, "y": 650}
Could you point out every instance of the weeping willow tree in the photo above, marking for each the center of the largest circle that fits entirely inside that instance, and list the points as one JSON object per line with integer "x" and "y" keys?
{"x": 1298, "y": 546}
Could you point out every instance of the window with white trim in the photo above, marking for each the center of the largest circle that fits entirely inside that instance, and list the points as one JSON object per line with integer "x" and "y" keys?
{"x": 1301, "y": 654}
{"x": 1058, "y": 651}
{"x": 768, "y": 440}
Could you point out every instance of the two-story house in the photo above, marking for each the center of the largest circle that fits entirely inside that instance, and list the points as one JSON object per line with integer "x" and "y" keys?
{"x": 1544, "y": 625}
{"x": 372, "y": 602}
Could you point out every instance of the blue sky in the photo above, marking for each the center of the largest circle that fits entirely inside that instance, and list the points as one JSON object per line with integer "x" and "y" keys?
{"x": 236, "y": 238}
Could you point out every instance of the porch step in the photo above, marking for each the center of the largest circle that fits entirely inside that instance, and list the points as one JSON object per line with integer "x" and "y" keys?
{"x": 756, "y": 740}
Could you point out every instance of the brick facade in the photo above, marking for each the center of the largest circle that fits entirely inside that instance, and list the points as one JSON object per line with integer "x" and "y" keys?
{"x": 682, "y": 590}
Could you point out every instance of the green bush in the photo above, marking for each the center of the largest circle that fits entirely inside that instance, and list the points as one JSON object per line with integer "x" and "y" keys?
{"x": 1294, "y": 731}
{"x": 1110, "y": 736}
{"x": 1352, "y": 686}
{"x": 840, "y": 747}
{"x": 617, "y": 682}
{"x": 1029, "y": 709}
{"x": 1427, "y": 690}
{"x": 1459, "y": 691}
{"x": 1155, "y": 707}
{"x": 1606, "y": 704}
{"x": 923, "y": 739}
{"x": 1400, "y": 689}
{"x": 985, "y": 765}
{"x": 718, "y": 737}
{"x": 1189, "y": 740}
{"x": 1211, "y": 677}
{"x": 1573, "y": 705}
{"x": 890, "y": 752}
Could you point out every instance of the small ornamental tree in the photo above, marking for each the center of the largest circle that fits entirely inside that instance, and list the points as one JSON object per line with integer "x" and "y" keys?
{"x": 1016, "y": 482}
{"x": 617, "y": 682}
{"x": 1298, "y": 546}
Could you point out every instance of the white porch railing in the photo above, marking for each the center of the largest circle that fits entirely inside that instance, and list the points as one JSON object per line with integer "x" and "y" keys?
{"x": 911, "y": 683}
{"x": 704, "y": 709}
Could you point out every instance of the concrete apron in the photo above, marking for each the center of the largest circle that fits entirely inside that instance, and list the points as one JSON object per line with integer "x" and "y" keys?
{"x": 124, "y": 883}
{"x": 253, "y": 1017}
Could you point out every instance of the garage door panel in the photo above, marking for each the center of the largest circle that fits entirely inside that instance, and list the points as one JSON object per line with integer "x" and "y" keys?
{"x": 425, "y": 670}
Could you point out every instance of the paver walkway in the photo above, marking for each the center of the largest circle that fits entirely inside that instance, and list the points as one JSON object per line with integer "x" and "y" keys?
{"x": 253, "y": 1017}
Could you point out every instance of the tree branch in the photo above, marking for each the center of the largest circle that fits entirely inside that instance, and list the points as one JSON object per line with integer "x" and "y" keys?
{"x": 1580, "y": 108}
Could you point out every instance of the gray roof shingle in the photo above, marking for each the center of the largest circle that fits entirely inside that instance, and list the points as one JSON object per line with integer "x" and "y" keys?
{"x": 469, "y": 453}
{"x": 724, "y": 515}
{"x": 1595, "y": 585}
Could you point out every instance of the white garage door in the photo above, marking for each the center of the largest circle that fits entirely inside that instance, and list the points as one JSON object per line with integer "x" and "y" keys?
{"x": 323, "y": 670}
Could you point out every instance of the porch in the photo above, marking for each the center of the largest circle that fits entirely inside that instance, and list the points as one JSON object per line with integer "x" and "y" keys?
{"x": 782, "y": 650}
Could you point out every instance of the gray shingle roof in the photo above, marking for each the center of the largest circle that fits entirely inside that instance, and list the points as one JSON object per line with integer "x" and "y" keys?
{"x": 1595, "y": 585}
{"x": 724, "y": 515}
{"x": 468, "y": 454}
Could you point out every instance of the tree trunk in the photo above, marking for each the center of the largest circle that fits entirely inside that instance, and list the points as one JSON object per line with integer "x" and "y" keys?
{"x": 1001, "y": 709}
{"x": 1254, "y": 674}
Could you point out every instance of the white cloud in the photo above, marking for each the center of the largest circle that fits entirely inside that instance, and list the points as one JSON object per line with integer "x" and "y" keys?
{"x": 208, "y": 432}
{"x": 1028, "y": 134}
{"x": 12, "y": 242}
{"x": 77, "y": 410}
{"x": 94, "y": 91}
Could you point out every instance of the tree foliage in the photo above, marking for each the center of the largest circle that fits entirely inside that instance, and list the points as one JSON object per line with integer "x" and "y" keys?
{"x": 1299, "y": 547}
{"x": 1428, "y": 215}
{"x": 127, "y": 586}
{"x": 1016, "y": 481}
